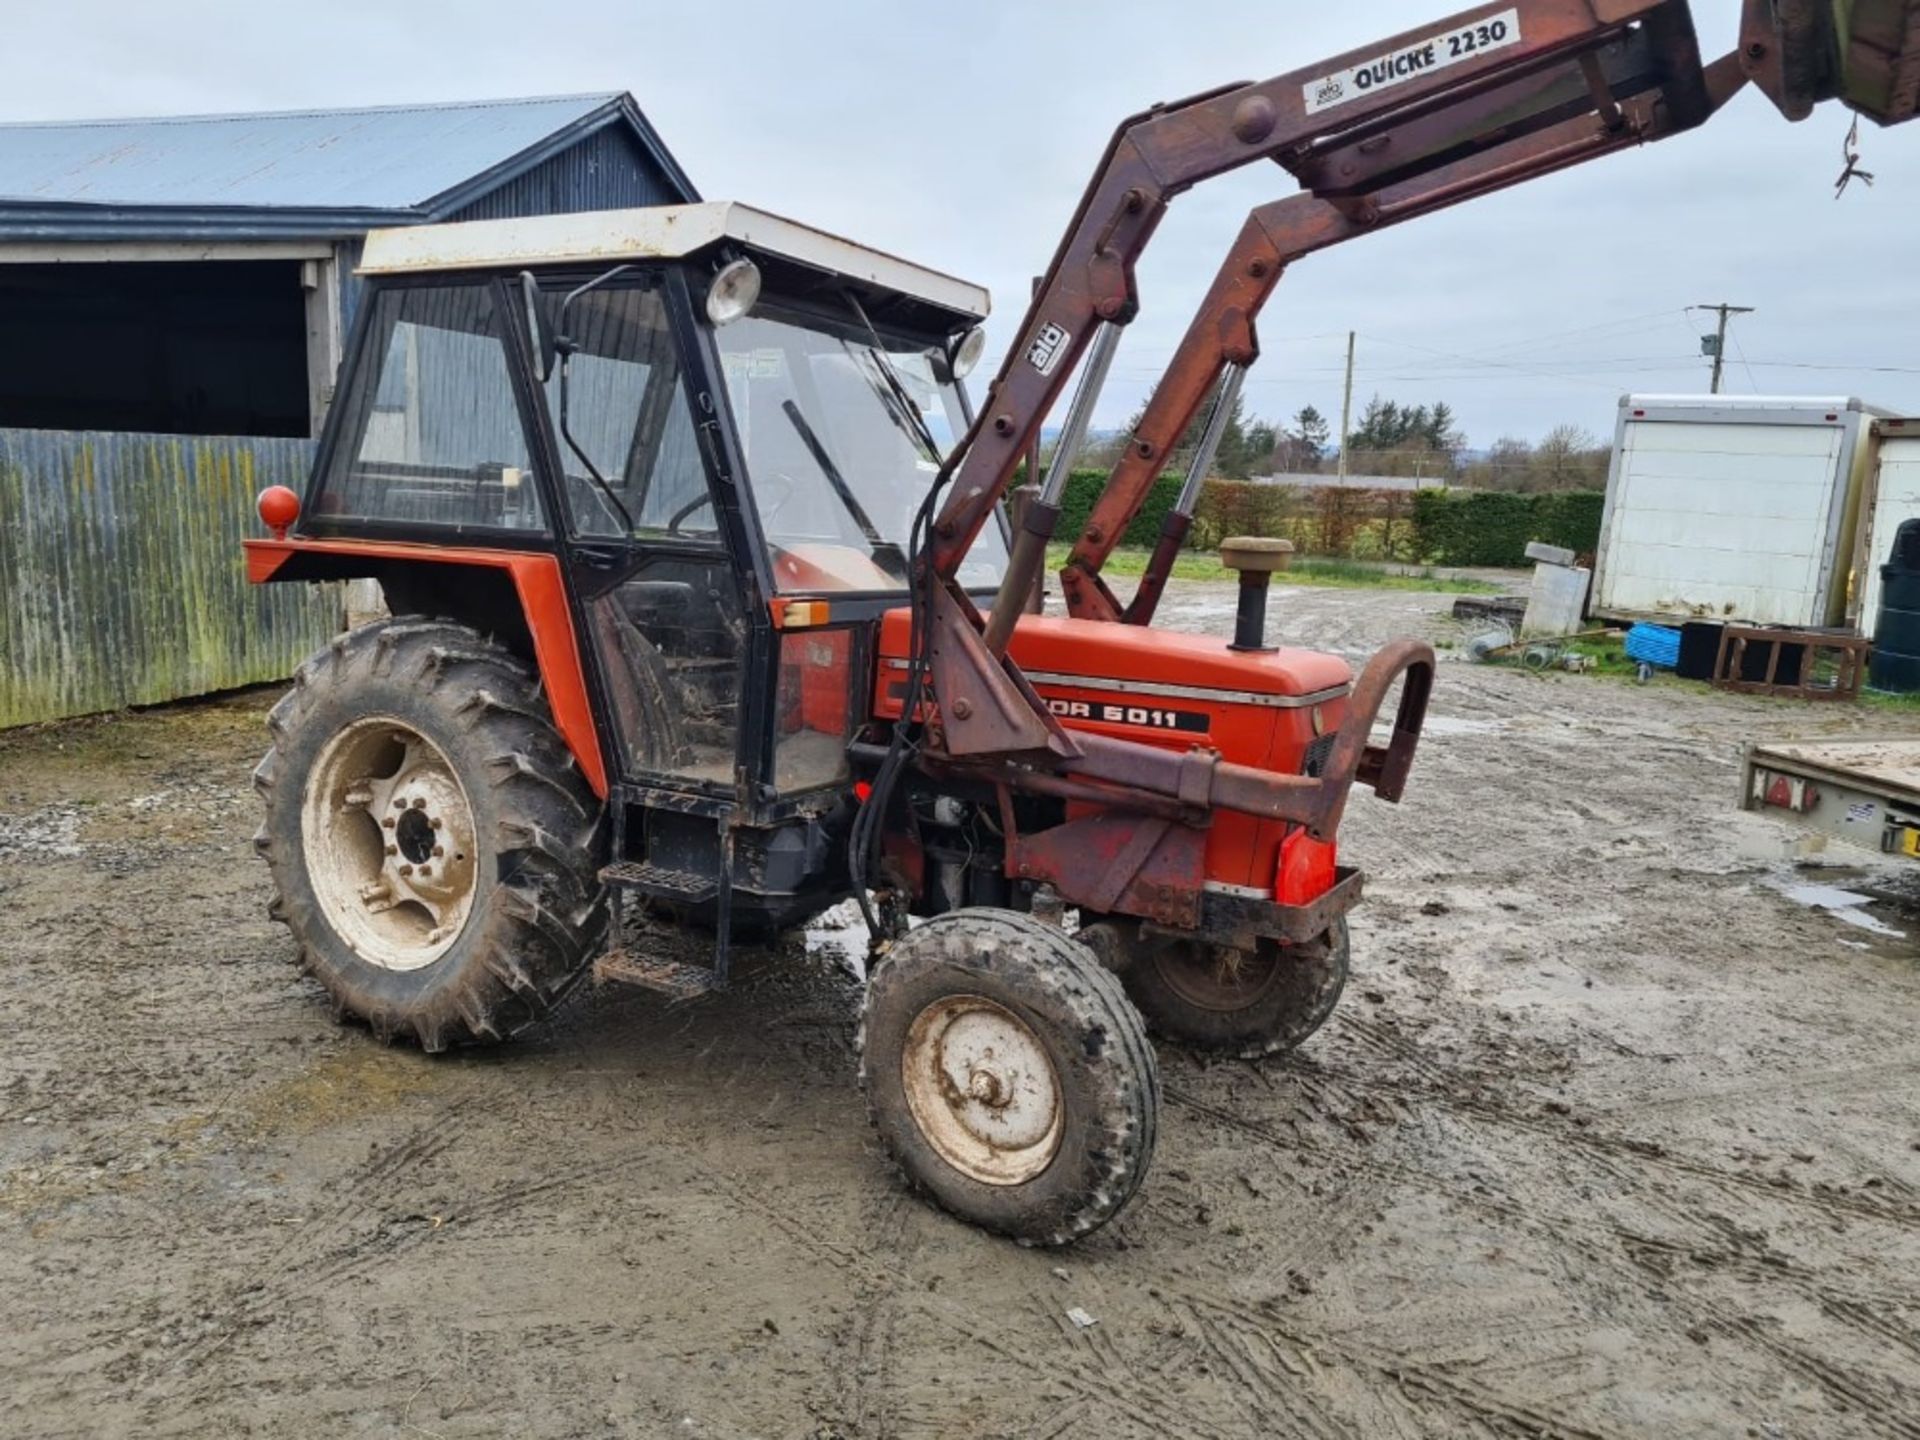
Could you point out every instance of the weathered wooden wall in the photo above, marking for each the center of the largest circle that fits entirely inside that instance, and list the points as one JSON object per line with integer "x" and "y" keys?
{"x": 122, "y": 581}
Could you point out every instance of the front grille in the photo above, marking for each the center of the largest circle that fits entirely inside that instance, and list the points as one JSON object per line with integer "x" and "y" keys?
{"x": 1315, "y": 759}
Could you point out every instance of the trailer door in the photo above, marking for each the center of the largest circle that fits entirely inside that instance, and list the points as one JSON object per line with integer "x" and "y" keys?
{"x": 1721, "y": 515}
{"x": 1896, "y": 499}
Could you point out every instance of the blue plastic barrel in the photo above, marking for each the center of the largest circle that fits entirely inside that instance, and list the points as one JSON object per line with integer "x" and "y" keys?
{"x": 1654, "y": 645}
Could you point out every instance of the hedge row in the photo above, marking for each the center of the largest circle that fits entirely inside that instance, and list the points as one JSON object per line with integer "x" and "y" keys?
{"x": 1083, "y": 488}
{"x": 1490, "y": 527}
{"x": 1454, "y": 527}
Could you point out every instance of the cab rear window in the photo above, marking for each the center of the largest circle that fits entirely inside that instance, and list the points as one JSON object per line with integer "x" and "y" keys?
{"x": 432, "y": 434}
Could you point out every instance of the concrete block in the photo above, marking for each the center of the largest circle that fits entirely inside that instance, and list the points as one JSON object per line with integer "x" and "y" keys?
{"x": 1556, "y": 602}
{"x": 1549, "y": 554}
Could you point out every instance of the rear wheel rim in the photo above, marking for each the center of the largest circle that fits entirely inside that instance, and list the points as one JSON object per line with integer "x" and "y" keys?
{"x": 1216, "y": 977}
{"x": 983, "y": 1090}
{"x": 388, "y": 836}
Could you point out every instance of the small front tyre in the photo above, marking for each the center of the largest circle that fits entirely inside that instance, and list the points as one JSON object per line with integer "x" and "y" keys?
{"x": 1009, "y": 1076}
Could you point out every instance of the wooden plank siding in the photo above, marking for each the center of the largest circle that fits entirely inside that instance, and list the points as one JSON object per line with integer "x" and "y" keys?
{"x": 122, "y": 581}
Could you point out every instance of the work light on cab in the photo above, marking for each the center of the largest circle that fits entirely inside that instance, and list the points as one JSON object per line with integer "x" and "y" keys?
{"x": 967, "y": 353}
{"x": 733, "y": 292}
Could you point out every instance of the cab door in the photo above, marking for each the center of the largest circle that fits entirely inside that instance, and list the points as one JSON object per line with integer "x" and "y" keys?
{"x": 646, "y": 537}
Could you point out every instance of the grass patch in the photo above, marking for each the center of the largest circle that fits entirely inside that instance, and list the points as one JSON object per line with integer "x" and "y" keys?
{"x": 1609, "y": 656}
{"x": 1890, "y": 700}
{"x": 1307, "y": 570}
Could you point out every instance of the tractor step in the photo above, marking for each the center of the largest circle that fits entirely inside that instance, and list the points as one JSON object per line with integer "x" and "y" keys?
{"x": 657, "y": 882}
{"x": 669, "y": 977}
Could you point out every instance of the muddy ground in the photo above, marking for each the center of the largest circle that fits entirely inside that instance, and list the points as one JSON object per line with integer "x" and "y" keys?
{"x": 1610, "y": 1137}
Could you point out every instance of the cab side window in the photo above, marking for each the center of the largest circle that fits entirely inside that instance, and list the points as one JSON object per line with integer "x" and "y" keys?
{"x": 627, "y": 412}
{"x": 433, "y": 433}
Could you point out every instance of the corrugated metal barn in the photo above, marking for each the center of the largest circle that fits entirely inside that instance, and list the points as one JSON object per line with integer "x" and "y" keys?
{"x": 173, "y": 296}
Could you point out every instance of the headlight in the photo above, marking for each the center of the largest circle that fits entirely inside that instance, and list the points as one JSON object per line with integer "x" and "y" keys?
{"x": 967, "y": 353}
{"x": 733, "y": 292}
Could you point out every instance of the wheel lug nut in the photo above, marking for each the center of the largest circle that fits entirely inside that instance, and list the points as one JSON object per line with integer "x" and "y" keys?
{"x": 438, "y": 851}
{"x": 434, "y": 822}
{"x": 388, "y": 822}
{"x": 401, "y": 803}
{"x": 393, "y": 849}
{"x": 406, "y": 869}
{"x": 425, "y": 870}
{"x": 420, "y": 804}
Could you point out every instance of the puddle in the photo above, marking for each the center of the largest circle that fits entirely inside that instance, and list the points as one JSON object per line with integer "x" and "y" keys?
{"x": 839, "y": 935}
{"x": 1855, "y": 907}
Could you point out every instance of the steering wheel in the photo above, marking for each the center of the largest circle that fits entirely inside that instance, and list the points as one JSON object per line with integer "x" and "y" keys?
{"x": 686, "y": 511}
{"x": 782, "y": 484}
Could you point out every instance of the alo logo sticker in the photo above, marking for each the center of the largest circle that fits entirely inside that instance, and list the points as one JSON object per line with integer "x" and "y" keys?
{"x": 1047, "y": 348}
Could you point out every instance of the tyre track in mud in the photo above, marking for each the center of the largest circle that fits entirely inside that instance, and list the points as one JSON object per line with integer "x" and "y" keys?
{"x": 1117, "y": 1393}
{"x": 1102, "y": 1377}
{"x": 1890, "y": 1402}
{"x": 1447, "y": 1090}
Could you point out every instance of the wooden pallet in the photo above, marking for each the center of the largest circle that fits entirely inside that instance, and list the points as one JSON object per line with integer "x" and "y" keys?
{"x": 1849, "y": 654}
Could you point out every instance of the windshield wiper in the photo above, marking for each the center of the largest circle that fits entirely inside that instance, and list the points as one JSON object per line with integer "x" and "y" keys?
{"x": 878, "y": 542}
{"x": 902, "y": 411}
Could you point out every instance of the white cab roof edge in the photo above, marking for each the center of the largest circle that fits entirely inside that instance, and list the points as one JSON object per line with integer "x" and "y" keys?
{"x": 660, "y": 232}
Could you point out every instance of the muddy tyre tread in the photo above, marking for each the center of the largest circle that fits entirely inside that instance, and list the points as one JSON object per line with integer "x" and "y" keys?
{"x": 1034, "y": 969}
{"x": 536, "y": 926}
{"x": 1276, "y": 1024}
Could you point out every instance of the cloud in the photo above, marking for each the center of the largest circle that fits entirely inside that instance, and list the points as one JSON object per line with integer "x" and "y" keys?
{"x": 962, "y": 136}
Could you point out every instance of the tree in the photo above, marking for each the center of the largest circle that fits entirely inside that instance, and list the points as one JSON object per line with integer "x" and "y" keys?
{"x": 1569, "y": 458}
{"x": 1300, "y": 449}
{"x": 1406, "y": 439}
{"x": 1508, "y": 465}
{"x": 1263, "y": 445}
{"x": 1242, "y": 446}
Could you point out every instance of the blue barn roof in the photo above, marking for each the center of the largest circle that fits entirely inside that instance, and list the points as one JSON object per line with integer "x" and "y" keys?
{"x": 297, "y": 173}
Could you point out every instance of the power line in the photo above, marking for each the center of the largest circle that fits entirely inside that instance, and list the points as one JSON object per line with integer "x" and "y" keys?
{"x": 1755, "y": 384}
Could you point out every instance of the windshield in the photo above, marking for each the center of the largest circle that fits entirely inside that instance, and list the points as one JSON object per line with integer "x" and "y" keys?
{"x": 834, "y": 460}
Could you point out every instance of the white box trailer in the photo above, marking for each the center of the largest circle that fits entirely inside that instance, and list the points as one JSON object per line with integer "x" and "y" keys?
{"x": 1893, "y": 496}
{"x": 1723, "y": 507}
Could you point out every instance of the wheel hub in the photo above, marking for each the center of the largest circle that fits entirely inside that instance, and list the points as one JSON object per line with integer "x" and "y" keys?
{"x": 982, "y": 1090}
{"x": 1216, "y": 977}
{"x": 389, "y": 839}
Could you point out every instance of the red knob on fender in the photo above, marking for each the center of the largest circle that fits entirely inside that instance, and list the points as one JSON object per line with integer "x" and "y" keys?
{"x": 279, "y": 508}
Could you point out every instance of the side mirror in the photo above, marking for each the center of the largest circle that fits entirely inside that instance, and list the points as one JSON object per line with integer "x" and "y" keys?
{"x": 545, "y": 347}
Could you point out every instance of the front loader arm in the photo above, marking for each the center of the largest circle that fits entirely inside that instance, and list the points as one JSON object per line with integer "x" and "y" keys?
{"x": 1501, "y": 93}
{"x": 1568, "y": 122}
{"x": 1341, "y": 146}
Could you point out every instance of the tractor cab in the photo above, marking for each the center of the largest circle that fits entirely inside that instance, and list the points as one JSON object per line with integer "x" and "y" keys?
{"x": 720, "y": 424}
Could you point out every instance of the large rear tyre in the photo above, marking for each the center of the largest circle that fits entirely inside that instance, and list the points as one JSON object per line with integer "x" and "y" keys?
{"x": 434, "y": 848}
{"x": 1236, "y": 1002}
{"x": 1009, "y": 1076}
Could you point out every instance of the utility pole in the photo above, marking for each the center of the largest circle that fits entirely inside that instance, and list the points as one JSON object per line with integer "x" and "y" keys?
{"x": 1346, "y": 411}
{"x": 1716, "y": 343}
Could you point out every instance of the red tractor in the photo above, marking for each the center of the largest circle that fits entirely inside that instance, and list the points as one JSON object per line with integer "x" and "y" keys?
{"x": 705, "y": 604}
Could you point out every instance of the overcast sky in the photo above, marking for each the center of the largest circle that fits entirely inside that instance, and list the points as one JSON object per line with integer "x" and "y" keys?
{"x": 961, "y": 136}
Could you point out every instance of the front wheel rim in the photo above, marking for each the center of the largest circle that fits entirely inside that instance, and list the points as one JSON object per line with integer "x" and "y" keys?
{"x": 983, "y": 1090}
{"x": 389, "y": 841}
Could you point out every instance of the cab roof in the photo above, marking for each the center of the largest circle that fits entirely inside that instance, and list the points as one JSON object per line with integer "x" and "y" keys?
{"x": 660, "y": 232}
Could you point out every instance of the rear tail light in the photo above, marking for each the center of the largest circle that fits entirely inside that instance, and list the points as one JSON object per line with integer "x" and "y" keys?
{"x": 1306, "y": 869}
